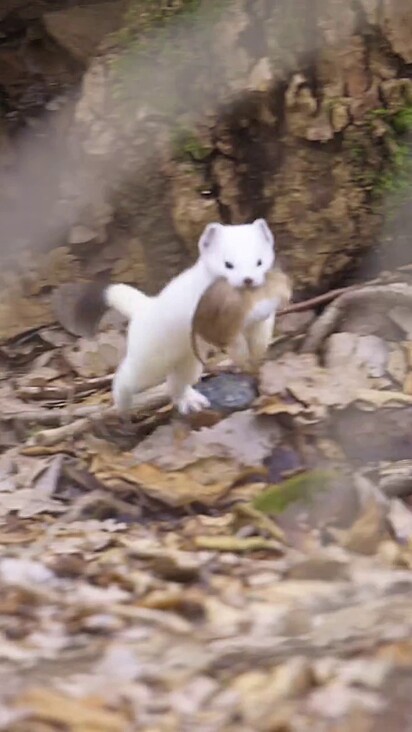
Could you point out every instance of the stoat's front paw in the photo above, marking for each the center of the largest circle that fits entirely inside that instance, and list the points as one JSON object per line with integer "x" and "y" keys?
{"x": 192, "y": 401}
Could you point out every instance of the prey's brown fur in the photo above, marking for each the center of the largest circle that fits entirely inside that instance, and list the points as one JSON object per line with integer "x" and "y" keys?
{"x": 222, "y": 310}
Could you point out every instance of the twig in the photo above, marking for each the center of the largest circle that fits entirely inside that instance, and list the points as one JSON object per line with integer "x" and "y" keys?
{"x": 312, "y": 302}
{"x": 51, "y": 437}
{"x": 395, "y": 293}
{"x": 260, "y": 520}
{"x": 64, "y": 392}
{"x": 331, "y": 295}
{"x": 235, "y": 544}
{"x": 83, "y": 417}
{"x": 97, "y": 498}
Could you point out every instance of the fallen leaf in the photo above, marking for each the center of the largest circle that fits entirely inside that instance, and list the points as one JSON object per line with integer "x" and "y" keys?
{"x": 99, "y": 356}
{"x": 79, "y": 715}
{"x": 309, "y": 383}
{"x": 172, "y": 488}
{"x": 349, "y": 350}
{"x": 242, "y": 437}
{"x": 373, "y": 398}
{"x": 40, "y": 495}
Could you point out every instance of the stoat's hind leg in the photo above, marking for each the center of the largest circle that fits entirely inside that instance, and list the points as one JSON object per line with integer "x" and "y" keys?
{"x": 122, "y": 390}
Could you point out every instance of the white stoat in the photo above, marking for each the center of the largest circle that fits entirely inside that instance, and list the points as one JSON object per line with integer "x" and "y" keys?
{"x": 159, "y": 337}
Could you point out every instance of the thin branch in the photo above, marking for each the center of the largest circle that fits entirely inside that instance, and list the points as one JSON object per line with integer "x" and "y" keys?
{"x": 313, "y": 302}
{"x": 42, "y": 393}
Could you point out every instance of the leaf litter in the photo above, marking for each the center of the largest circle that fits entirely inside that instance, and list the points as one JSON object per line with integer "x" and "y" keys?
{"x": 250, "y": 572}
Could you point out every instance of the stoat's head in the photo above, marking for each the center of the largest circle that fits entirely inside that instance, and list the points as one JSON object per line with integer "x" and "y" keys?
{"x": 242, "y": 254}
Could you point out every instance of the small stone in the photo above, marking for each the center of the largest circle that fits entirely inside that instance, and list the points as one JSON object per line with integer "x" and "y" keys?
{"x": 367, "y": 531}
{"x": 261, "y": 76}
{"x": 349, "y": 349}
{"x": 229, "y": 392}
{"x": 324, "y": 670}
{"x": 293, "y": 678}
{"x": 390, "y": 552}
{"x": 339, "y": 116}
{"x": 318, "y": 568}
{"x": 365, "y": 672}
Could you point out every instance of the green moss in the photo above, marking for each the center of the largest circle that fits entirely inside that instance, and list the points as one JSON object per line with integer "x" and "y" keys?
{"x": 301, "y": 487}
{"x": 382, "y": 163}
{"x": 185, "y": 144}
{"x": 396, "y": 176}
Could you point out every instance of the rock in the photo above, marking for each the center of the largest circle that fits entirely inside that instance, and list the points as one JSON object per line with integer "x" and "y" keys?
{"x": 397, "y": 93}
{"x": 400, "y": 518}
{"x": 229, "y": 392}
{"x": 80, "y": 234}
{"x": 398, "y": 27}
{"x": 191, "y": 210}
{"x": 345, "y": 350}
{"x": 294, "y": 322}
{"x": 403, "y": 318}
{"x": 396, "y": 366}
{"x": 368, "y": 530}
{"x": 339, "y": 116}
{"x": 260, "y": 693}
{"x": 374, "y": 436}
{"x": 318, "y": 568}
{"x": 80, "y": 29}
{"x": 370, "y": 673}
{"x": 395, "y": 479}
{"x": 261, "y": 76}
{"x": 337, "y": 700}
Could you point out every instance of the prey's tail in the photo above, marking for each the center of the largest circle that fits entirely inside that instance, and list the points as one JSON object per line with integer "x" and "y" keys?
{"x": 95, "y": 298}
{"x": 125, "y": 299}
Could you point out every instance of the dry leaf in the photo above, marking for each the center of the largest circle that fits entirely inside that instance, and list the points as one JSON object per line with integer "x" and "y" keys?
{"x": 242, "y": 437}
{"x": 172, "y": 488}
{"x": 98, "y": 356}
{"x": 368, "y": 530}
{"x": 79, "y": 715}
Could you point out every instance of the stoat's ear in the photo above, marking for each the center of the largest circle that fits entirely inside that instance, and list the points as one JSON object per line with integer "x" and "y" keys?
{"x": 208, "y": 236}
{"x": 264, "y": 228}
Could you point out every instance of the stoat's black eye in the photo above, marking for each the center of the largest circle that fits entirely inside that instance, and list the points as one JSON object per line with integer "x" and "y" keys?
{"x": 229, "y": 265}
{"x": 259, "y": 263}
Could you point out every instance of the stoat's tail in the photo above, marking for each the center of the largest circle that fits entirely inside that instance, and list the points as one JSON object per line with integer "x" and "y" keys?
{"x": 96, "y": 297}
{"x": 125, "y": 299}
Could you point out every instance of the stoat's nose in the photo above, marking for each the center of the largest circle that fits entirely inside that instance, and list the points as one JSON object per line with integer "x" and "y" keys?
{"x": 248, "y": 281}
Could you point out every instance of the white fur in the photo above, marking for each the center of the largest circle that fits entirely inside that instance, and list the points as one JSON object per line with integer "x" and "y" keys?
{"x": 159, "y": 346}
{"x": 125, "y": 299}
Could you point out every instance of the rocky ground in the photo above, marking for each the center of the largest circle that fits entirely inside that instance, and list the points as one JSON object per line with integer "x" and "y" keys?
{"x": 249, "y": 570}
